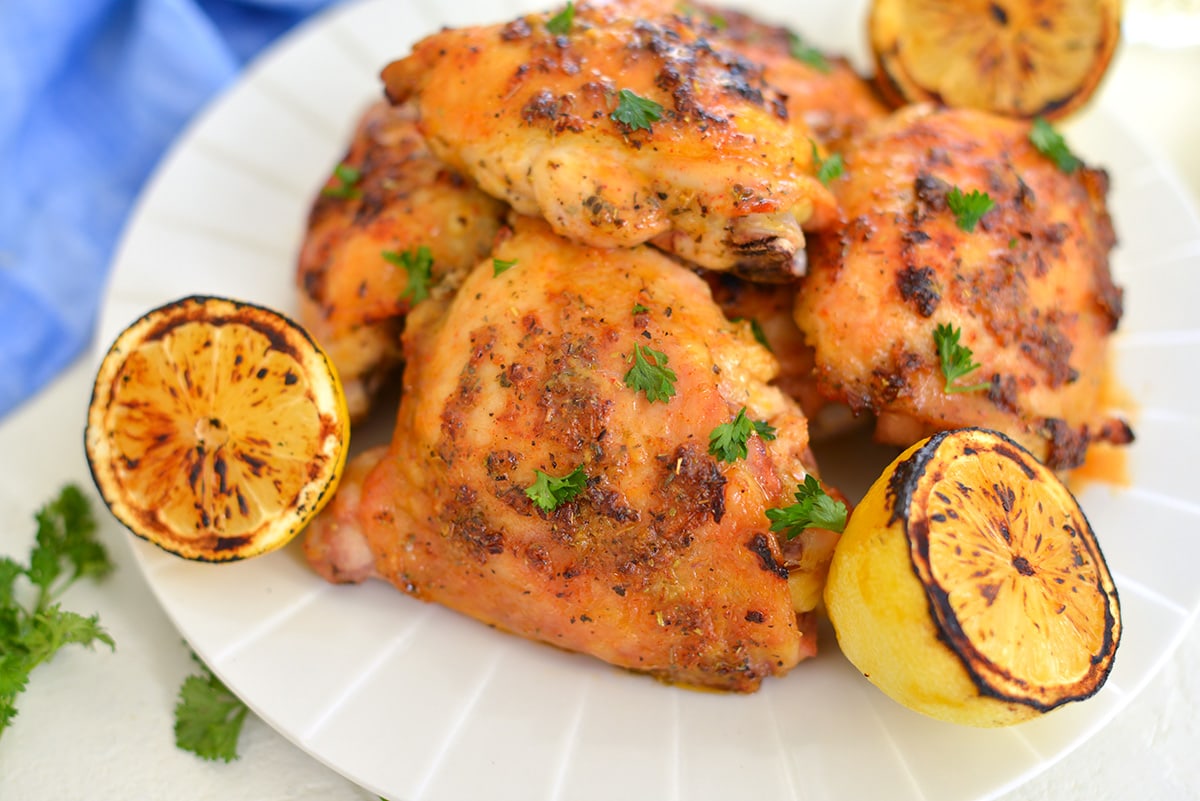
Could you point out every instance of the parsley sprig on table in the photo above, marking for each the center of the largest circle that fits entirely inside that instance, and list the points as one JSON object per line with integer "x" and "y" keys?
{"x": 728, "y": 441}
{"x": 65, "y": 550}
{"x": 814, "y": 508}
{"x": 208, "y": 717}
{"x": 957, "y": 360}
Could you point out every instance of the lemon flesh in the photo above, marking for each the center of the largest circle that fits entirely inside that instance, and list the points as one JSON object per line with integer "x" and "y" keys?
{"x": 217, "y": 429}
{"x": 1020, "y": 58}
{"x": 969, "y": 586}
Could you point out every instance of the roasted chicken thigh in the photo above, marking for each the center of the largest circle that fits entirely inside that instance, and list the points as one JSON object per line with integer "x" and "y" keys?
{"x": 388, "y": 199}
{"x": 631, "y": 121}
{"x": 1025, "y": 285}
{"x": 534, "y": 481}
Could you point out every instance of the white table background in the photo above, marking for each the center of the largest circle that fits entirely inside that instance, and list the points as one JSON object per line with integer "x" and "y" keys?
{"x": 98, "y": 725}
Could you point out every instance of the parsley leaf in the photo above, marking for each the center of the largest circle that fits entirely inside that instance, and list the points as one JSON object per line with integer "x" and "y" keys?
{"x": 635, "y": 111}
{"x": 208, "y": 717}
{"x": 560, "y": 23}
{"x": 640, "y": 309}
{"x": 650, "y": 374}
{"x": 347, "y": 178}
{"x": 806, "y": 53}
{"x": 828, "y": 169}
{"x": 712, "y": 17}
{"x": 957, "y": 360}
{"x": 756, "y": 329}
{"x": 968, "y": 208}
{"x": 419, "y": 266}
{"x": 548, "y": 492}
{"x": 65, "y": 551}
{"x": 760, "y": 336}
{"x": 814, "y": 508}
{"x": 727, "y": 441}
{"x": 1050, "y": 143}
{"x": 500, "y": 265}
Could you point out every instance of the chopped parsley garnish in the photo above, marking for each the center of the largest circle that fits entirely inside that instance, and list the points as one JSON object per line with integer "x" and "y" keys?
{"x": 1050, "y": 143}
{"x": 806, "y": 53}
{"x": 635, "y": 111}
{"x": 347, "y": 178}
{"x": 548, "y": 492}
{"x": 968, "y": 208}
{"x": 419, "y": 266}
{"x": 713, "y": 18}
{"x": 560, "y": 23}
{"x": 501, "y": 265}
{"x": 727, "y": 441}
{"x": 814, "y": 508}
{"x": 208, "y": 717}
{"x": 650, "y": 374}
{"x": 760, "y": 336}
{"x": 828, "y": 169}
{"x": 957, "y": 360}
{"x": 640, "y": 309}
{"x": 65, "y": 550}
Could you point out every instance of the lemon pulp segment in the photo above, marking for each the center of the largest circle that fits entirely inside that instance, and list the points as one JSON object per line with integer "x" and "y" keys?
{"x": 217, "y": 429}
{"x": 1021, "y": 58}
{"x": 969, "y": 586}
{"x": 1013, "y": 573}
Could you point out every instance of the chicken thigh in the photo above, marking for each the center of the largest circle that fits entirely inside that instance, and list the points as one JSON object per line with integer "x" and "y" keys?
{"x": 361, "y": 263}
{"x": 628, "y": 122}
{"x": 1025, "y": 286}
{"x": 550, "y": 471}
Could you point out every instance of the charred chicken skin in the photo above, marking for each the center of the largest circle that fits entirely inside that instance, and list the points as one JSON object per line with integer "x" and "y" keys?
{"x": 660, "y": 559}
{"x": 1028, "y": 287}
{"x": 824, "y": 92}
{"x": 388, "y": 199}
{"x": 634, "y": 122}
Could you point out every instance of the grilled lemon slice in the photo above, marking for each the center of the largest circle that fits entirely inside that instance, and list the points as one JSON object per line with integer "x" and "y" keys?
{"x": 216, "y": 429}
{"x": 1020, "y": 58}
{"x": 969, "y": 586}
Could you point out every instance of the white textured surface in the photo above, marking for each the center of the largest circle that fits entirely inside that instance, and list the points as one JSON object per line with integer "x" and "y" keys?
{"x": 99, "y": 725}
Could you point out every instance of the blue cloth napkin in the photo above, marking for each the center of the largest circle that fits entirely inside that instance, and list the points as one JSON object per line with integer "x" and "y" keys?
{"x": 91, "y": 94}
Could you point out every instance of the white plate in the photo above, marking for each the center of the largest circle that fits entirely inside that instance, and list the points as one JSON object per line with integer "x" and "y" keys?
{"x": 414, "y": 702}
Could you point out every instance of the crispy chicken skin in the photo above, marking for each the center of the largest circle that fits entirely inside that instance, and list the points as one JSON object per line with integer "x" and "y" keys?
{"x": 824, "y": 92}
{"x": 1030, "y": 287}
{"x": 352, "y": 298}
{"x": 719, "y": 176}
{"x": 664, "y": 562}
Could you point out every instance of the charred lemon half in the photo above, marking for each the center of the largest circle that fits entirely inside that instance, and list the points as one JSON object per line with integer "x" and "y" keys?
{"x": 969, "y": 586}
{"x": 216, "y": 428}
{"x": 1020, "y": 58}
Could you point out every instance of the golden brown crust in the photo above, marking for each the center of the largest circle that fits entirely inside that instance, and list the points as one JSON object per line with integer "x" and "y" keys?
{"x": 352, "y": 298}
{"x": 823, "y": 91}
{"x": 717, "y": 174}
{"x": 664, "y": 561}
{"x": 1030, "y": 287}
